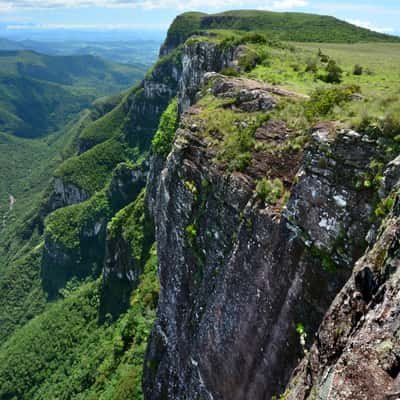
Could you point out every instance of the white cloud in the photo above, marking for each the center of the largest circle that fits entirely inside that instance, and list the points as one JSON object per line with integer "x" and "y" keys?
{"x": 83, "y": 27}
{"x": 370, "y": 25}
{"x": 288, "y": 4}
{"x": 7, "y": 5}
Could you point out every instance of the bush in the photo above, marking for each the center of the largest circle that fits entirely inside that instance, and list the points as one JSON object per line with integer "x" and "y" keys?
{"x": 236, "y": 150}
{"x": 270, "y": 191}
{"x": 164, "y": 137}
{"x": 230, "y": 72}
{"x": 388, "y": 125}
{"x": 323, "y": 57}
{"x": 333, "y": 73}
{"x": 358, "y": 70}
{"x": 249, "y": 61}
{"x": 255, "y": 38}
{"x": 324, "y": 100}
{"x": 311, "y": 66}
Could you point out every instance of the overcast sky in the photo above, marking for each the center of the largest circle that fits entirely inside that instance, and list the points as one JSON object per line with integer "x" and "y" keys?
{"x": 19, "y": 15}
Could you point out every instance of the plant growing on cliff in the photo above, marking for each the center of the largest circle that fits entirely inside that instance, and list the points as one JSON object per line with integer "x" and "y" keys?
{"x": 270, "y": 191}
{"x": 191, "y": 232}
{"x": 301, "y": 331}
{"x": 131, "y": 224}
{"x": 164, "y": 137}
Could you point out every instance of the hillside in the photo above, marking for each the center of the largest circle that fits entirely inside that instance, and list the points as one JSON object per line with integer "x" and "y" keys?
{"x": 40, "y": 93}
{"x": 191, "y": 237}
{"x": 284, "y": 26}
{"x": 136, "y": 52}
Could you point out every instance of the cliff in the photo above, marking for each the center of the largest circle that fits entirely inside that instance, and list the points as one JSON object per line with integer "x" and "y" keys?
{"x": 270, "y": 212}
{"x": 242, "y": 270}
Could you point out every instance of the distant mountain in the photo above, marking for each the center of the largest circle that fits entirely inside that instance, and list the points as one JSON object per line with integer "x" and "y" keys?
{"x": 299, "y": 27}
{"x": 6, "y": 45}
{"x": 142, "y": 52}
{"x": 39, "y": 93}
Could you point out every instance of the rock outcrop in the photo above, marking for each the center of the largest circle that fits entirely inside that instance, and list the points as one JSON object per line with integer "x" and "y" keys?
{"x": 239, "y": 276}
{"x": 356, "y": 354}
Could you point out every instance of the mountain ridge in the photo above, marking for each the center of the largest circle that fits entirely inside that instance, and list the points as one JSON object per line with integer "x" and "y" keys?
{"x": 198, "y": 227}
{"x": 284, "y": 26}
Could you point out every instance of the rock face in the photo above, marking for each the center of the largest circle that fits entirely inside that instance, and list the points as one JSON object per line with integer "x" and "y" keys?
{"x": 237, "y": 277}
{"x": 197, "y": 59}
{"x": 183, "y": 71}
{"x": 66, "y": 194}
{"x": 356, "y": 353}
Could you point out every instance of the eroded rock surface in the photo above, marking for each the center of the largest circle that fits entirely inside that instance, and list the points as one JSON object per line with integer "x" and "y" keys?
{"x": 237, "y": 276}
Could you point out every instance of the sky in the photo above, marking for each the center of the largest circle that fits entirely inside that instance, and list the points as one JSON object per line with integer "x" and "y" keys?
{"x": 22, "y": 17}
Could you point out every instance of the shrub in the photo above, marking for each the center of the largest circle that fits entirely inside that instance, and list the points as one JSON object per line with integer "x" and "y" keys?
{"x": 311, "y": 66}
{"x": 164, "y": 137}
{"x": 240, "y": 162}
{"x": 323, "y": 100}
{"x": 236, "y": 150}
{"x": 249, "y": 61}
{"x": 270, "y": 191}
{"x": 323, "y": 57}
{"x": 256, "y": 38}
{"x": 388, "y": 125}
{"x": 252, "y": 58}
{"x": 358, "y": 70}
{"x": 191, "y": 232}
{"x": 333, "y": 73}
{"x": 230, "y": 72}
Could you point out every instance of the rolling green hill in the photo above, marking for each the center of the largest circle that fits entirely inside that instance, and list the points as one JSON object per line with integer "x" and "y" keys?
{"x": 284, "y": 26}
{"x": 40, "y": 93}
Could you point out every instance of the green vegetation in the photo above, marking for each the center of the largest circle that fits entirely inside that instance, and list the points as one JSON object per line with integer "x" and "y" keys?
{"x": 90, "y": 170}
{"x": 324, "y": 100}
{"x": 65, "y": 225}
{"x": 67, "y": 348}
{"x": 65, "y": 353}
{"x": 133, "y": 227}
{"x": 163, "y": 138}
{"x": 270, "y": 191}
{"x": 284, "y": 26}
{"x": 191, "y": 232}
{"x": 237, "y": 129}
{"x": 327, "y": 263}
{"x": 141, "y": 53}
{"x": 107, "y": 126}
{"x": 24, "y": 298}
{"x": 39, "y": 94}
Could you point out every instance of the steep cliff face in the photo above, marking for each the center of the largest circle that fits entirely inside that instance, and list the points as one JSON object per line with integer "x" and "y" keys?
{"x": 356, "y": 351}
{"x": 240, "y": 273}
{"x": 129, "y": 127}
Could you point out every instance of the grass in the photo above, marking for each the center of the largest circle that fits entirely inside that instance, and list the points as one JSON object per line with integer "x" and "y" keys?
{"x": 289, "y": 67}
{"x": 284, "y": 26}
{"x": 237, "y": 142}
